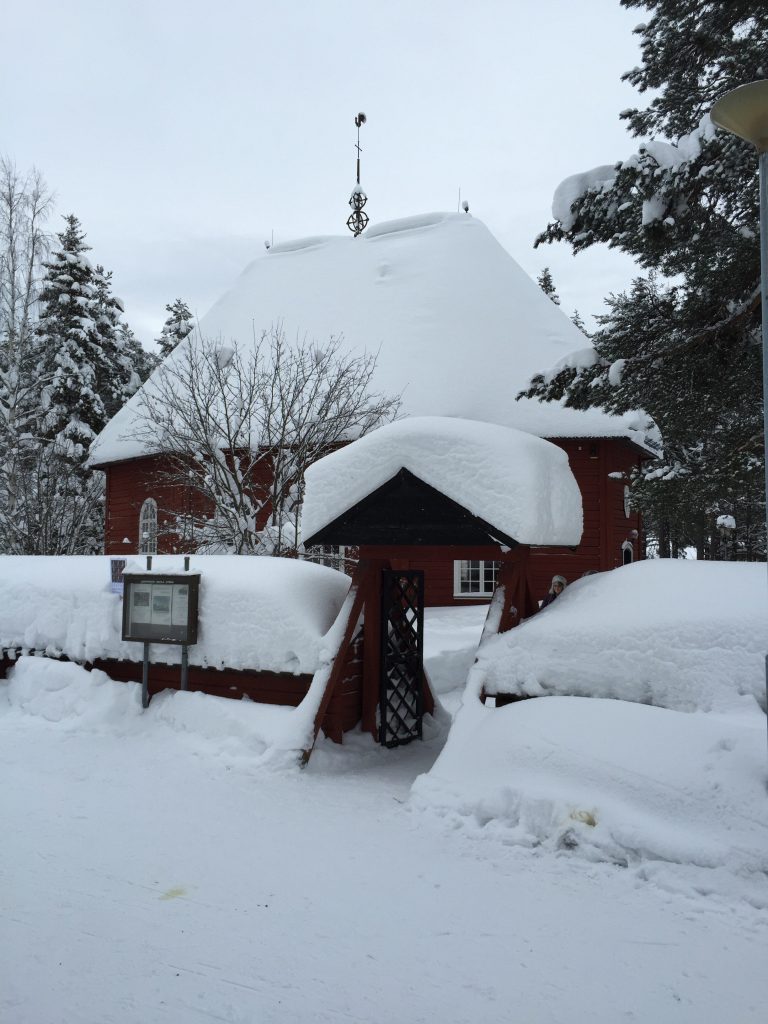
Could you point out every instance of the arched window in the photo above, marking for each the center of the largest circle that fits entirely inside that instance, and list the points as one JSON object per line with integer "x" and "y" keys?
{"x": 627, "y": 552}
{"x": 148, "y": 528}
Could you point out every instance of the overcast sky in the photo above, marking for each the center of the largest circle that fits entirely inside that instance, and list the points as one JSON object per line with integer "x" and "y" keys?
{"x": 183, "y": 134}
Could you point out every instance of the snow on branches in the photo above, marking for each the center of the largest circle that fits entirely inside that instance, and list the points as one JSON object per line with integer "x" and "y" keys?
{"x": 238, "y": 428}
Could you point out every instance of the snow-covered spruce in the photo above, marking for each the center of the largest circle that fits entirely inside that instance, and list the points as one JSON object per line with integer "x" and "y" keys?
{"x": 684, "y": 204}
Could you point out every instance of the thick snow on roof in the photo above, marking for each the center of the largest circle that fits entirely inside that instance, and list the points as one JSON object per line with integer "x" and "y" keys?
{"x": 459, "y": 327}
{"x": 518, "y": 483}
{"x": 267, "y": 614}
{"x": 676, "y": 633}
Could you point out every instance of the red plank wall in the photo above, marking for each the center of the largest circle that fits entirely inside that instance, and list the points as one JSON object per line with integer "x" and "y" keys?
{"x": 128, "y": 485}
{"x": 606, "y": 526}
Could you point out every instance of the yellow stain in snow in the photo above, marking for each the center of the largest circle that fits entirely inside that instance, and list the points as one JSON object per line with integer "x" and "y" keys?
{"x": 174, "y": 894}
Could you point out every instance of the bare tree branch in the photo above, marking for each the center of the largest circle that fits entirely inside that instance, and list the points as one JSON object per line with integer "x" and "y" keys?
{"x": 238, "y": 428}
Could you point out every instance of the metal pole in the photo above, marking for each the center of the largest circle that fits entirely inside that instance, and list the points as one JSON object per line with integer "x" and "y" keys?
{"x": 145, "y": 678}
{"x": 184, "y": 648}
{"x": 763, "y": 160}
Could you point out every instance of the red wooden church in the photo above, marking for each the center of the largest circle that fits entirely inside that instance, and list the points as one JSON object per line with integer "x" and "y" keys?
{"x": 459, "y": 329}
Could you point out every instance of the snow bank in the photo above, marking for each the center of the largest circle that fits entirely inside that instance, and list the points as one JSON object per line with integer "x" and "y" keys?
{"x": 516, "y": 482}
{"x": 82, "y": 702}
{"x": 678, "y": 634}
{"x": 260, "y": 613}
{"x": 610, "y": 780}
{"x": 411, "y": 290}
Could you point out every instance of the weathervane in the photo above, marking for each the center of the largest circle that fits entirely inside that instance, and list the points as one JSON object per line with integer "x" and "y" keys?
{"x": 358, "y": 219}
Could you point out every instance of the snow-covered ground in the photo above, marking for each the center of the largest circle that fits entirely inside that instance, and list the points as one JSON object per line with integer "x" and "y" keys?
{"x": 152, "y": 871}
{"x": 556, "y": 860}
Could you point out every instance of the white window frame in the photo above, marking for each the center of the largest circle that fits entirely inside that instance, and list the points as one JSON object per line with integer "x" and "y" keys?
{"x": 148, "y": 528}
{"x": 332, "y": 555}
{"x": 627, "y": 547}
{"x": 459, "y": 577}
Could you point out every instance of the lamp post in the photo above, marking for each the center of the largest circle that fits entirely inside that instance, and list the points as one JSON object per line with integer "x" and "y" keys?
{"x": 744, "y": 112}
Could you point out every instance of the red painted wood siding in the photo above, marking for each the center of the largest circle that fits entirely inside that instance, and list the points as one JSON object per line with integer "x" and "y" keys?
{"x": 605, "y": 525}
{"x": 128, "y": 485}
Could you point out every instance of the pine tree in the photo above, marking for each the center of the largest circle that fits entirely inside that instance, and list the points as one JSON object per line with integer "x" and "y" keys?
{"x": 577, "y": 321}
{"x": 70, "y": 345}
{"x": 178, "y": 325}
{"x": 138, "y": 362}
{"x": 63, "y": 502}
{"x": 67, "y": 363}
{"x": 547, "y": 285}
{"x": 683, "y": 342}
{"x": 113, "y": 371}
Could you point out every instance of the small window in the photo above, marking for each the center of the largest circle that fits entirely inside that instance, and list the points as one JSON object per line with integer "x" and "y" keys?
{"x": 474, "y": 578}
{"x": 148, "y": 528}
{"x": 627, "y": 553}
{"x": 332, "y": 555}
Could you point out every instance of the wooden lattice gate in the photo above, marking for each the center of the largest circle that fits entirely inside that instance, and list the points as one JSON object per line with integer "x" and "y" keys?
{"x": 401, "y": 705}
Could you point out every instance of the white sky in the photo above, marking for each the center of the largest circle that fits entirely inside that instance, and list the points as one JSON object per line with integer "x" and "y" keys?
{"x": 183, "y": 134}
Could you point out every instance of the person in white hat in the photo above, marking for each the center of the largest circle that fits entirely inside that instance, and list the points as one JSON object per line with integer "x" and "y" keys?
{"x": 558, "y": 585}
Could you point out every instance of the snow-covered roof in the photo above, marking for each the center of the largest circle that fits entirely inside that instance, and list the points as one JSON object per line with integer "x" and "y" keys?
{"x": 266, "y": 614}
{"x": 459, "y": 327}
{"x": 520, "y": 484}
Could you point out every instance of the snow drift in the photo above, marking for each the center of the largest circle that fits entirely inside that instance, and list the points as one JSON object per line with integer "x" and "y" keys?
{"x": 671, "y": 772}
{"x": 616, "y": 781}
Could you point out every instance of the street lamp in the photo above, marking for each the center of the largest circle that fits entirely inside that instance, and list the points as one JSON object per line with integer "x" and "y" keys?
{"x": 744, "y": 112}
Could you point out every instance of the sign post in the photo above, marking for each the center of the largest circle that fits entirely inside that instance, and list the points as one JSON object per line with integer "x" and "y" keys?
{"x": 161, "y": 608}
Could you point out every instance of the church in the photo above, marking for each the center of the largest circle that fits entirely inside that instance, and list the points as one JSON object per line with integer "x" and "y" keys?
{"x": 458, "y": 328}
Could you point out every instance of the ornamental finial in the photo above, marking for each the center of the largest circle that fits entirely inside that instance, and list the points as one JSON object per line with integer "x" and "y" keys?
{"x": 358, "y": 219}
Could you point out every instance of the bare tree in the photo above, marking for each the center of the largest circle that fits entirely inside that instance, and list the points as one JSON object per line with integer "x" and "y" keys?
{"x": 238, "y": 428}
{"x": 25, "y": 203}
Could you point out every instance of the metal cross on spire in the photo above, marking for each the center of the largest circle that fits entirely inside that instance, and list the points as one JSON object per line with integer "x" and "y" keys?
{"x": 358, "y": 219}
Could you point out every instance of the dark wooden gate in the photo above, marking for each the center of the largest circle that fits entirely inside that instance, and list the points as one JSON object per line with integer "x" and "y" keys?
{"x": 402, "y": 656}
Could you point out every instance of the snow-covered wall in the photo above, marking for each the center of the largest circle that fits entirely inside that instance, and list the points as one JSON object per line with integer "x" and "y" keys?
{"x": 264, "y": 614}
{"x": 678, "y": 634}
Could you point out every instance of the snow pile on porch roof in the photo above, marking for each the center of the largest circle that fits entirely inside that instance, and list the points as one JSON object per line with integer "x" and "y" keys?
{"x": 458, "y": 326}
{"x": 265, "y": 614}
{"x": 520, "y": 484}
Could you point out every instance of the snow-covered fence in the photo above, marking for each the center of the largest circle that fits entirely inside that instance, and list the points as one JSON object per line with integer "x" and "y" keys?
{"x": 685, "y": 635}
